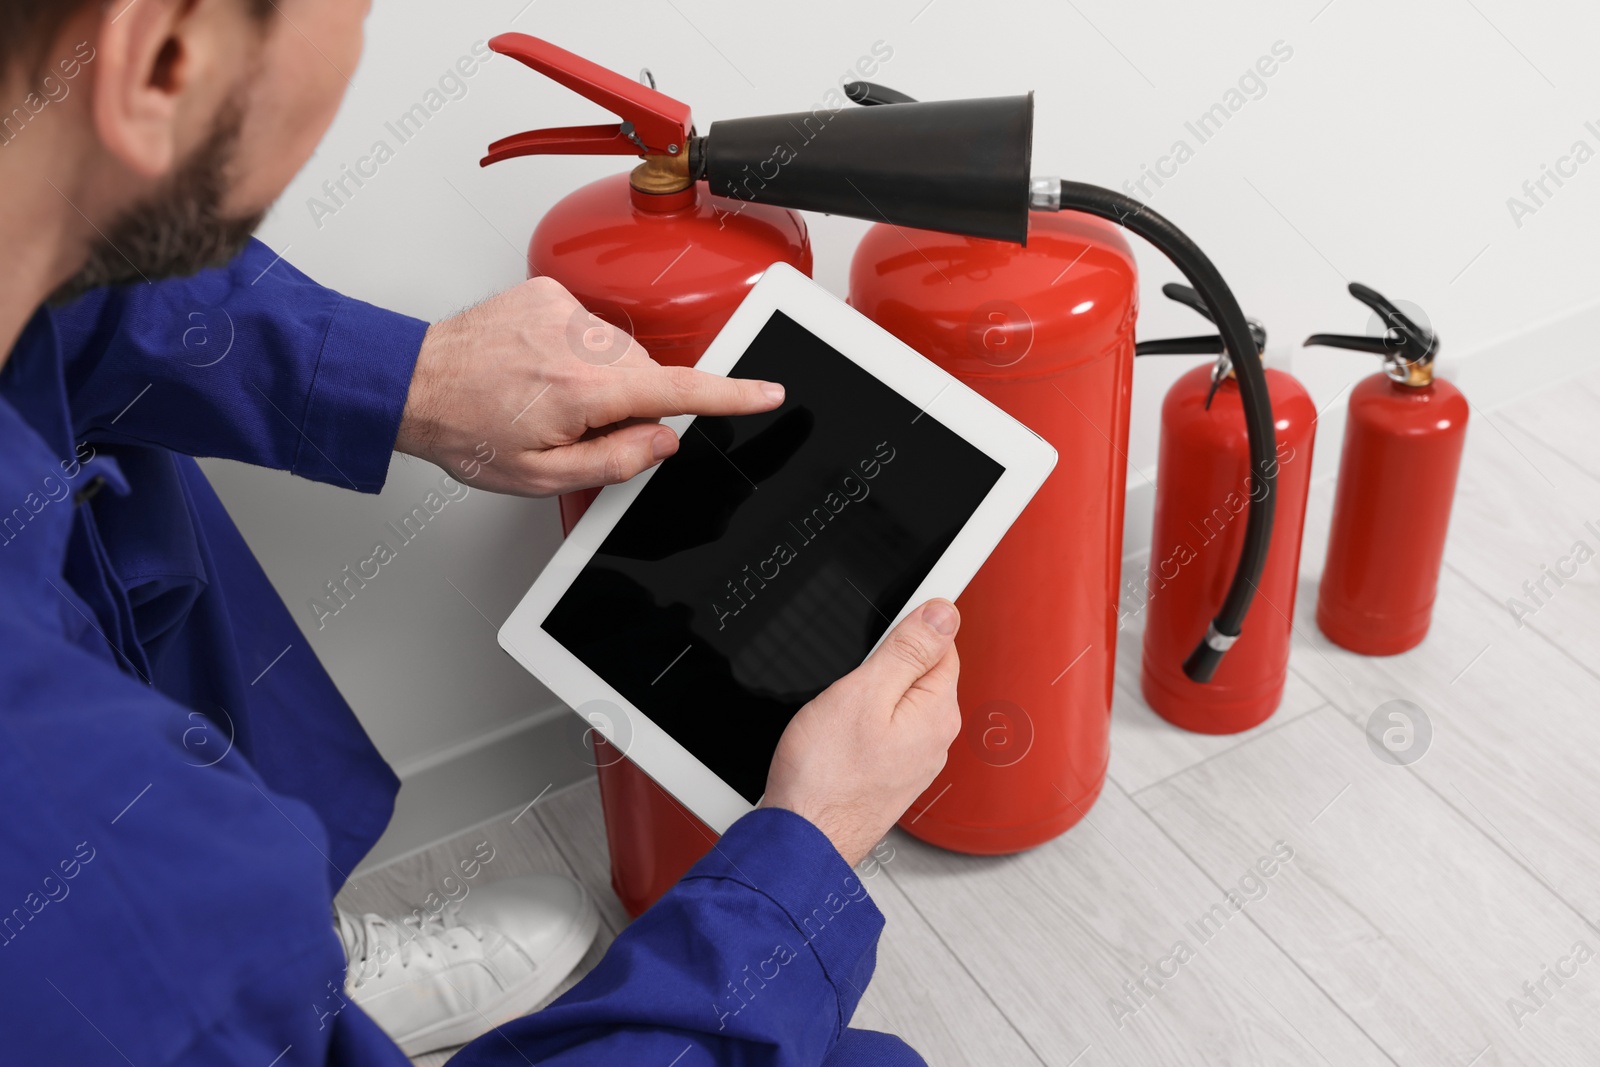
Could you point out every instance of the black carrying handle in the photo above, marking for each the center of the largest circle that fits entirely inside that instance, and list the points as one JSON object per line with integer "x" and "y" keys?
{"x": 1378, "y": 346}
{"x": 1195, "y": 346}
{"x": 1403, "y": 339}
{"x": 1205, "y": 345}
{"x": 870, "y": 93}
{"x": 1199, "y": 346}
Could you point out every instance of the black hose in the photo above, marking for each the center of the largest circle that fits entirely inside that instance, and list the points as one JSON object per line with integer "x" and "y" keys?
{"x": 1208, "y": 282}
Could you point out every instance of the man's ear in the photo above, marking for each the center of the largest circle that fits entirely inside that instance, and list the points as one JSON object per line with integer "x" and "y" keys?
{"x": 145, "y": 73}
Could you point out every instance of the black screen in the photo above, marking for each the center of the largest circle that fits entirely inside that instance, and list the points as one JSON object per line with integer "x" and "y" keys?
{"x": 766, "y": 557}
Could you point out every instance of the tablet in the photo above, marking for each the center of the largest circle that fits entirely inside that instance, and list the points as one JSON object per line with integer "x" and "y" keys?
{"x": 696, "y": 608}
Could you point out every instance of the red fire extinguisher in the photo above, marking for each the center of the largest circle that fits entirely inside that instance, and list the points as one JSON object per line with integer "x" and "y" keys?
{"x": 1397, "y": 482}
{"x": 1203, "y": 483}
{"x": 651, "y": 254}
{"x": 1045, "y": 330}
{"x": 960, "y": 168}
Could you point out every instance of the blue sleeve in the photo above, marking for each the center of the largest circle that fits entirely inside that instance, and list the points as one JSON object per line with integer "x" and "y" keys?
{"x": 757, "y": 957}
{"x": 253, "y": 362}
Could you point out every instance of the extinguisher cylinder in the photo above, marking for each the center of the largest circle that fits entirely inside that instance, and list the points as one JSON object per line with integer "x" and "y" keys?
{"x": 1046, "y": 333}
{"x": 669, "y": 269}
{"x": 1391, "y": 514}
{"x": 1205, "y": 482}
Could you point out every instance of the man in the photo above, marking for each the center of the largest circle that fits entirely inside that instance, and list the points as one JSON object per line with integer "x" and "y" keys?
{"x": 164, "y": 904}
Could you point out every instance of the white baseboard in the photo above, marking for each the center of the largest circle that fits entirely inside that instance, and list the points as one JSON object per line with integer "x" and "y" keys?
{"x": 1506, "y": 369}
{"x": 477, "y": 780}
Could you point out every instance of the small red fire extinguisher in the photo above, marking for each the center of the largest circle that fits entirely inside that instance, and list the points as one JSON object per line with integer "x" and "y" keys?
{"x": 1204, "y": 482}
{"x": 653, "y": 255}
{"x": 1397, "y": 482}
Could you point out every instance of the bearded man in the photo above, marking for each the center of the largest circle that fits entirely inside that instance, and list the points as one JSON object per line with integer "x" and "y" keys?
{"x": 162, "y": 907}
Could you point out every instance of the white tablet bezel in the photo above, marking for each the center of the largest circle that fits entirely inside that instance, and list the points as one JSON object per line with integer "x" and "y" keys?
{"x": 1026, "y": 457}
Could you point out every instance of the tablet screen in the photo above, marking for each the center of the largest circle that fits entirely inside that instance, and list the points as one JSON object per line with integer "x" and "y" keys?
{"x": 765, "y": 558}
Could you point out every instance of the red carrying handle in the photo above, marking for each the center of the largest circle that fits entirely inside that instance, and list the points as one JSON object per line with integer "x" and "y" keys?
{"x": 653, "y": 123}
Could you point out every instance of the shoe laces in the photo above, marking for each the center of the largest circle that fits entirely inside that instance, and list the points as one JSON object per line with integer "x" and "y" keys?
{"x": 374, "y": 943}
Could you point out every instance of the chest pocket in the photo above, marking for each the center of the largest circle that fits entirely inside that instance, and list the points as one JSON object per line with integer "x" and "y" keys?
{"x": 152, "y": 545}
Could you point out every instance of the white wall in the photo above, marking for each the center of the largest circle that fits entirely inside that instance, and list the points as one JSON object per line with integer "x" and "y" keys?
{"x": 1384, "y": 150}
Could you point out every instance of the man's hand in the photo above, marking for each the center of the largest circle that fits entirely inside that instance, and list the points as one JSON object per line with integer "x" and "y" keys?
{"x": 565, "y": 401}
{"x": 854, "y": 759}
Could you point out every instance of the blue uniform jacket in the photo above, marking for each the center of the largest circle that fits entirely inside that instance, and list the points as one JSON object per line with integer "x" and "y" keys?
{"x": 183, "y": 790}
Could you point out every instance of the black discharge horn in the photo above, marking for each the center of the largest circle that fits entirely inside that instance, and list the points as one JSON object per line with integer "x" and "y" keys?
{"x": 958, "y": 166}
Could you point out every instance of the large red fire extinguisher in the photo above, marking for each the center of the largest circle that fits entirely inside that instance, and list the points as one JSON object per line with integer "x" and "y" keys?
{"x": 1397, "y": 482}
{"x": 1203, "y": 484}
{"x": 1046, "y": 332}
{"x": 1045, "y": 329}
{"x": 650, "y": 254}
{"x": 960, "y": 168}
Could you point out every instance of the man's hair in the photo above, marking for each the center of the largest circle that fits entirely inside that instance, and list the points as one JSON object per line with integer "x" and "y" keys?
{"x": 28, "y": 26}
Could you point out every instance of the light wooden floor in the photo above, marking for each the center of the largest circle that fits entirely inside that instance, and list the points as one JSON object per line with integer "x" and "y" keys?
{"x": 1419, "y": 899}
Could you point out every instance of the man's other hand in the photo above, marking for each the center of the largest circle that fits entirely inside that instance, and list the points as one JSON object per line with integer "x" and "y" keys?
{"x": 566, "y": 401}
{"x": 854, "y": 759}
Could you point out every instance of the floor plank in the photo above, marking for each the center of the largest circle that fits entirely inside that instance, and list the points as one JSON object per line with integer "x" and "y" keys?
{"x": 1145, "y": 748}
{"x": 1563, "y": 417}
{"x": 1513, "y": 719}
{"x": 1526, "y": 511}
{"x": 921, "y": 991}
{"x": 1054, "y": 934}
{"x": 1413, "y": 921}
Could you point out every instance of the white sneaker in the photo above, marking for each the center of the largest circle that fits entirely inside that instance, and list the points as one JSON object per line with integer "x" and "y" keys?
{"x": 439, "y": 981}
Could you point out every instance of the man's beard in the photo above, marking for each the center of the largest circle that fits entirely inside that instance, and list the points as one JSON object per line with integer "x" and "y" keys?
{"x": 181, "y": 229}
